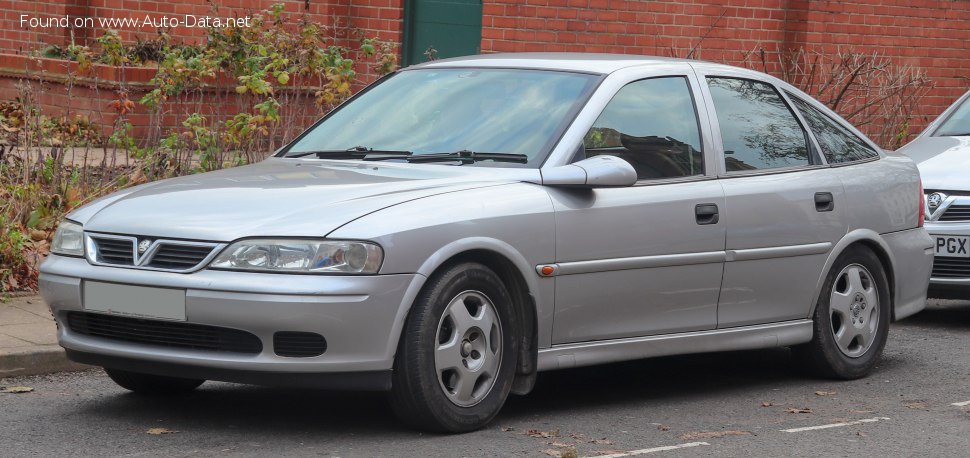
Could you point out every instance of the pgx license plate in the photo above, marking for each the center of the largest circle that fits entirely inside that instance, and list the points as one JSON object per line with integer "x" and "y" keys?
{"x": 953, "y": 246}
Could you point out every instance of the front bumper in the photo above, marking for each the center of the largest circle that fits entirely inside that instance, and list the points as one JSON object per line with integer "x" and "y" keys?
{"x": 951, "y": 276}
{"x": 359, "y": 316}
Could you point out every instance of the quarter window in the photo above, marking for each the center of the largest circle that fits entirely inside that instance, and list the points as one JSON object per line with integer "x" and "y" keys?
{"x": 758, "y": 129}
{"x": 838, "y": 143}
{"x": 652, "y": 124}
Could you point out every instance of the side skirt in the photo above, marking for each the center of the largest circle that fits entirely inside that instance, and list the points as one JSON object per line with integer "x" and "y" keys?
{"x": 731, "y": 339}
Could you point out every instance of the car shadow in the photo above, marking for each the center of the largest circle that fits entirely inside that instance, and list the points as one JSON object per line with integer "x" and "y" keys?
{"x": 944, "y": 314}
{"x": 294, "y": 413}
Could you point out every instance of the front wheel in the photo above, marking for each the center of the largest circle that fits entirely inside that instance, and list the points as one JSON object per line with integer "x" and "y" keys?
{"x": 456, "y": 358}
{"x": 851, "y": 320}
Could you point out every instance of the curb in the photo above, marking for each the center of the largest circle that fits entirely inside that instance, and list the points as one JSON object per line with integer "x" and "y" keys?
{"x": 42, "y": 359}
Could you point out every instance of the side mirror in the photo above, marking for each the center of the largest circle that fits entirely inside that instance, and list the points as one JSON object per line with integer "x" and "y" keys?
{"x": 594, "y": 172}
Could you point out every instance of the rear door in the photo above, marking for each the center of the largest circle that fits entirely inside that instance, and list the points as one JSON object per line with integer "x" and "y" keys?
{"x": 645, "y": 259}
{"x": 783, "y": 205}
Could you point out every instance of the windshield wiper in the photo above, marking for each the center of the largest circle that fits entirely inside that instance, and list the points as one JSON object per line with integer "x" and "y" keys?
{"x": 466, "y": 156}
{"x": 358, "y": 152}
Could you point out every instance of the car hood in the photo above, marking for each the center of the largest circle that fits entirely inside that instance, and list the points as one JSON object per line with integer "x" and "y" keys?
{"x": 944, "y": 162}
{"x": 277, "y": 198}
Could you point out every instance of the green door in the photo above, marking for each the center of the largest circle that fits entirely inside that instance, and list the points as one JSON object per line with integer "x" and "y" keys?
{"x": 450, "y": 27}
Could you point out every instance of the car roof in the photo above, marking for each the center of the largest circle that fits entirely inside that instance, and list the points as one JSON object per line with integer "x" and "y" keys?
{"x": 577, "y": 62}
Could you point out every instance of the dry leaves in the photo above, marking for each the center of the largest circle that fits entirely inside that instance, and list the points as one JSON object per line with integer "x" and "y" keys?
{"x": 916, "y": 405}
{"x": 507, "y": 429}
{"x": 543, "y": 434}
{"x": 694, "y": 436}
{"x": 603, "y": 441}
{"x": 160, "y": 431}
{"x": 564, "y": 453}
{"x": 825, "y": 393}
{"x": 663, "y": 427}
{"x": 799, "y": 410}
{"x": 16, "y": 389}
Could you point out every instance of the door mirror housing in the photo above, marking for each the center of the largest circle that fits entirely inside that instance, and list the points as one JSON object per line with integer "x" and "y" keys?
{"x": 594, "y": 172}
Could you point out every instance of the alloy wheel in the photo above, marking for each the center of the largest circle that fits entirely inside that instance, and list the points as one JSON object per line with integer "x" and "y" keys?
{"x": 468, "y": 352}
{"x": 854, "y": 305}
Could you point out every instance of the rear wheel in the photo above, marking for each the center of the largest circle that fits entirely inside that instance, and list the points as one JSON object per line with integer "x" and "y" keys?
{"x": 851, "y": 320}
{"x": 152, "y": 385}
{"x": 455, "y": 362}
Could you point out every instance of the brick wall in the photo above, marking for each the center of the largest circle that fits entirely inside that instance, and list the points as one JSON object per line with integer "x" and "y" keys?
{"x": 382, "y": 18}
{"x": 929, "y": 34}
{"x": 93, "y": 93}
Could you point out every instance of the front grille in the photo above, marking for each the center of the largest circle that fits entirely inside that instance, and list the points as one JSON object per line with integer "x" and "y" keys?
{"x": 179, "y": 257}
{"x": 299, "y": 344}
{"x": 164, "y": 333}
{"x": 956, "y": 213}
{"x": 951, "y": 267}
{"x": 115, "y": 251}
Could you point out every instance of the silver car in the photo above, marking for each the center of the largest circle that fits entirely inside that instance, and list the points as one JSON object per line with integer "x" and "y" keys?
{"x": 942, "y": 153}
{"x": 462, "y": 225}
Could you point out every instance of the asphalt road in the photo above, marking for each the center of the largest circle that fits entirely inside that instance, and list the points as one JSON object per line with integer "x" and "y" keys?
{"x": 729, "y": 404}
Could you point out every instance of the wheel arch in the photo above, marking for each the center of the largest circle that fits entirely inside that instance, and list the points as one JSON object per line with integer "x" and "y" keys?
{"x": 514, "y": 270}
{"x": 872, "y": 241}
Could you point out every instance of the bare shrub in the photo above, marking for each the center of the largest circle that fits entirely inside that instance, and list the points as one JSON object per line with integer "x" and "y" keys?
{"x": 869, "y": 90}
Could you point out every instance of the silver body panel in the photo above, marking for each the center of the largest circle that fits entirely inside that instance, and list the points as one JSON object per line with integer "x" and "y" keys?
{"x": 634, "y": 274}
{"x": 944, "y": 165}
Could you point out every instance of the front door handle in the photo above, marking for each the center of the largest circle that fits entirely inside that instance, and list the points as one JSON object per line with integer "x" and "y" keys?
{"x": 824, "y": 202}
{"x": 706, "y": 214}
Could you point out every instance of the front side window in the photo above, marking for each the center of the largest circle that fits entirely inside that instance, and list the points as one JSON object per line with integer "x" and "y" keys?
{"x": 838, "y": 143}
{"x": 758, "y": 129}
{"x": 449, "y": 110}
{"x": 652, "y": 124}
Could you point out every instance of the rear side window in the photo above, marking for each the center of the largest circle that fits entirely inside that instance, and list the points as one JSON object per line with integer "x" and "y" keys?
{"x": 758, "y": 129}
{"x": 838, "y": 143}
{"x": 652, "y": 124}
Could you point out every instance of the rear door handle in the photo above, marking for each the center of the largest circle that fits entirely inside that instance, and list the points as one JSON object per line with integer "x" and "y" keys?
{"x": 824, "y": 202}
{"x": 706, "y": 214}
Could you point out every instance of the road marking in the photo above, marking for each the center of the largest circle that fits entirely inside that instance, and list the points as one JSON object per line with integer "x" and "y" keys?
{"x": 961, "y": 404}
{"x": 834, "y": 425}
{"x": 655, "y": 449}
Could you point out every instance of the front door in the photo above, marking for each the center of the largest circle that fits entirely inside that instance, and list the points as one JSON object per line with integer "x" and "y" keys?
{"x": 645, "y": 259}
{"x": 437, "y": 29}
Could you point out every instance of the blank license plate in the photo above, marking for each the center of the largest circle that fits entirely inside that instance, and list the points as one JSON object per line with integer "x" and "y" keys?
{"x": 953, "y": 246}
{"x": 135, "y": 301}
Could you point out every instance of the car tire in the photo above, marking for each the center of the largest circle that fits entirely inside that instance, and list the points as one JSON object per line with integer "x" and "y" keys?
{"x": 851, "y": 319}
{"x": 152, "y": 385}
{"x": 456, "y": 358}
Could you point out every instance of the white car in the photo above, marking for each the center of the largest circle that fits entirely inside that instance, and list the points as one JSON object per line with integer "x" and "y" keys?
{"x": 942, "y": 153}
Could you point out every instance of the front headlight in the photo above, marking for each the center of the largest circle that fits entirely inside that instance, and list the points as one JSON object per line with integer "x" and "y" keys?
{"x": 296, "y": 256}
{"x": 68, "y": 240}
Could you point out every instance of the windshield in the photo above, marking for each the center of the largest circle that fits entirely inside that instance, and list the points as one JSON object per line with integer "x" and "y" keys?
{"x": 449, "y": 110}
{"x": 958, "y": 124}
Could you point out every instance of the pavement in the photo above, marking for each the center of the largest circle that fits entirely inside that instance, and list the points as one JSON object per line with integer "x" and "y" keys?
{"x": 28, "y": 339}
